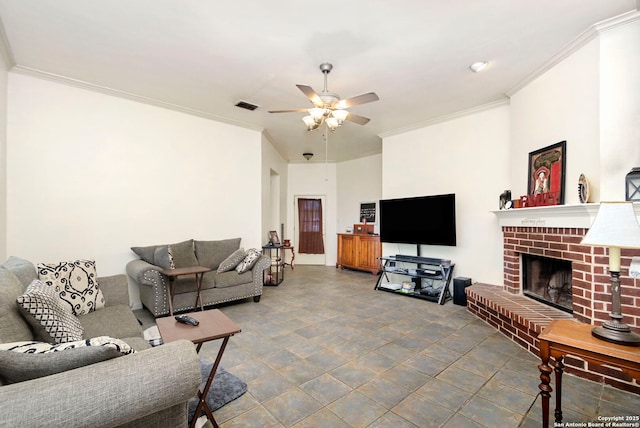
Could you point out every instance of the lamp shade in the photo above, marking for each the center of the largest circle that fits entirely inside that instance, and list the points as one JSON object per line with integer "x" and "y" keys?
{"x": 615, "y": 225}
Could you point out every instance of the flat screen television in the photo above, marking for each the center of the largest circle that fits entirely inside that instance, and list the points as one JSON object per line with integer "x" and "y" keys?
{"x": 426, "y": 220}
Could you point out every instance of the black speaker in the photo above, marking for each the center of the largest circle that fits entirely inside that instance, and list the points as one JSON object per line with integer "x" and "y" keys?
{"x": 459, "y": 284}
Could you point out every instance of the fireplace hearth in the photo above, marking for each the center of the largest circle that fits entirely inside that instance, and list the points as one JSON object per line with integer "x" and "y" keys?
{"x": 548, "y": 280}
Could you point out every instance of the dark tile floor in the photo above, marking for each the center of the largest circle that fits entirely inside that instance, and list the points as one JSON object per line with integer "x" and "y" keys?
{"x": 324, "y": 349}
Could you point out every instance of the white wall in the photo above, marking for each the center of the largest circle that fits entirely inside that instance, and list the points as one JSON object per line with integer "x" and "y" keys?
{"x": 314, "y": 179}
{"x": 274, "y": 185}
{"x": 90, "y": 175}
{"x": 359, "y": 180}
{"x": 619, "y": 107}
{"x": 468, "y": 156}
{"x": 562, "y": 104}
{"x": 590, "y": 100}
{"x": 3, "y": 152}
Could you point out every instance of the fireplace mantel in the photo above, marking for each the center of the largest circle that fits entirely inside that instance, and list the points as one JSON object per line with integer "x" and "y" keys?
{"x": 581, "y": 215}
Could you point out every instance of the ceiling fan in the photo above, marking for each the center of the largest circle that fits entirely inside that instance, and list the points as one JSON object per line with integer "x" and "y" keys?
{"x": 328, "y": 107}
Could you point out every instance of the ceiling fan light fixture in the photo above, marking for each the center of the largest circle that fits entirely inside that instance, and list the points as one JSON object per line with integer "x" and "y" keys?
{"x": 310, "y": 122}
{"x": 332, "y": 123}
{"x": 340, "y": 115}
{"x": 477, "y": 67}
{"x": 317, "y": 113}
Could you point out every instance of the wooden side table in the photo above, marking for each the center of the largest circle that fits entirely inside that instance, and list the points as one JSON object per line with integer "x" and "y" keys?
{"x": 172, "y": 274}
{"x": 213, "y": 325}
{"x": 568, "y": 337}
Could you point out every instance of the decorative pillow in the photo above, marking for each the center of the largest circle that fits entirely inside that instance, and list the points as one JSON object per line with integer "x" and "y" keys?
{"x": 44, "y": 310}
{"x": 163, "y": 258}
{"x": 145, "y": 253}
{"x": 183, "y": 254}
{"x": 20, "y": 361}
{"x": 250, "y": 259}
{"x": 75, "y": 282}
{"x": 211, "y": 253}
{"x": 232, "y": 261}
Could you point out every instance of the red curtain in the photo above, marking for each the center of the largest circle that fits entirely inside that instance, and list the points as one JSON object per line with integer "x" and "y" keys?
{"x": 310, "y": 227}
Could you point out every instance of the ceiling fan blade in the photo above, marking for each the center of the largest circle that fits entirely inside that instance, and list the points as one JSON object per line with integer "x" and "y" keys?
{"x": 357, "y": 100}
{"x": 299, "y": 110}
{"x": 312, "y": 95}
{"x": 355, "y": 118}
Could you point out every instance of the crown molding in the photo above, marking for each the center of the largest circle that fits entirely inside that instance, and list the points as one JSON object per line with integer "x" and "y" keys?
{"x": 580, "y": 41}
{"x": 446, "y": 117}
{"x": 129, "y": 96}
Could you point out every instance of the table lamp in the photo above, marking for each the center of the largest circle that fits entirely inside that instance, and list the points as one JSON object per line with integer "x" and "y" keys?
{"x": 615, "y": 226}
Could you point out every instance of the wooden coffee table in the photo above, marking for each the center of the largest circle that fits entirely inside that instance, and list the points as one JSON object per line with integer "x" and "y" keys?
{"x": 213, "y": 325}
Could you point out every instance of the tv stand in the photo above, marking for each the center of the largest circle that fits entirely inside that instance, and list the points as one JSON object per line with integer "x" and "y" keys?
{"x": 430, "y": 278}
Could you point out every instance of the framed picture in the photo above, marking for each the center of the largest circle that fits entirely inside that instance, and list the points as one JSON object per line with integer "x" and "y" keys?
{"x": 368, "y": 212}
{"x": 546, "y": 175}
{"x": 273, "y": 238}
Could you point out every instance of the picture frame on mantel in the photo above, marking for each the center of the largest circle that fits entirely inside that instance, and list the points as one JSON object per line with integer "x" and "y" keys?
{"x": 547, "y": 175}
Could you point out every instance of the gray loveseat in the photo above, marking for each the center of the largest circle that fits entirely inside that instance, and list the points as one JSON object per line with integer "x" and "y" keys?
{"x": 217, "y": 287}
{"x": 147, "y": 388}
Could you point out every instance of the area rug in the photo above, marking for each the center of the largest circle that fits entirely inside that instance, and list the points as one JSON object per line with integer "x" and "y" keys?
{"x": 225, "y": 388}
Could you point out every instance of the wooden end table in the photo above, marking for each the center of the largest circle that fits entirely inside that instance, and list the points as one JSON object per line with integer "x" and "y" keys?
{"x": 213, "y": 325}
{"x": 172, "y": 274}
{"x": 568, "y": 337}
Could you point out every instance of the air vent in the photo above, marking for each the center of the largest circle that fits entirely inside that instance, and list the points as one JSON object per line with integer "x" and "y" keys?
{"x": 246, "y": 105}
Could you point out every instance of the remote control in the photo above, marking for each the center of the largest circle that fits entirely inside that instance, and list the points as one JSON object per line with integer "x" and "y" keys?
{"x": 186, "y": 319}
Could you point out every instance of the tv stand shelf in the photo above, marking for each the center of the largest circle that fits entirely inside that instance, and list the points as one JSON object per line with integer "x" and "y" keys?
{"x": 430, "y": 278}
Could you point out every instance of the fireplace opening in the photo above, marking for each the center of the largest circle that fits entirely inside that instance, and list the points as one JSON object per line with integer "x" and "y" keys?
{"x": 548, "y": 281}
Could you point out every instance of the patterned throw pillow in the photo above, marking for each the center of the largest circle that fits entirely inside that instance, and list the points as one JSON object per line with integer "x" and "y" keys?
{"x": 31, "y": 347}
{"x": 20, "y": 361}
{"x": 76, "y": 283}
{"x": 43, "y": 309}
{"x": 250, "y": 259}
{"x": 232, "y": 261}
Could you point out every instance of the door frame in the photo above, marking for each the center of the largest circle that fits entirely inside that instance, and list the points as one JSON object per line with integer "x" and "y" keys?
{"x": 310, "y": 259}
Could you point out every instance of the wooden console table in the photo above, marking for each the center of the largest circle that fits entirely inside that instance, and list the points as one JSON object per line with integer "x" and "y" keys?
{"x": 568, "y": 337}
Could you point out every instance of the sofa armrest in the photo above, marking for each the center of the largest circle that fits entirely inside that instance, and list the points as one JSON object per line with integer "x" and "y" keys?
{"x": 263, "y": 263}
{"x": 106, "y": 394}
{"x": 143, "y": 272}
{"x": 115, "y": 289}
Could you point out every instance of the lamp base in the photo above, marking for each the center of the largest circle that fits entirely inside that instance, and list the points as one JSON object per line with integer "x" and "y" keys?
{"x": 616, "y": 333}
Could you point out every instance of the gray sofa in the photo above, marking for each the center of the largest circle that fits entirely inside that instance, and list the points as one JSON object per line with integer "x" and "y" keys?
{"x": 217, "y": 287}
{"x": 147, "y": 388}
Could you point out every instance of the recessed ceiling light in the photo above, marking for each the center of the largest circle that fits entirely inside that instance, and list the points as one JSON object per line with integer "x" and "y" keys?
{"x": 476, "y": 67}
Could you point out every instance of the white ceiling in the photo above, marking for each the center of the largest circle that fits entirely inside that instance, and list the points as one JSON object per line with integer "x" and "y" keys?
{"x": 204, "y": 56}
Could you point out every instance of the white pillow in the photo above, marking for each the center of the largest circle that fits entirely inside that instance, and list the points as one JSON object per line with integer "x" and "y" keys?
{"x": 76, "y": 283}
{"x": 249, "y": 260}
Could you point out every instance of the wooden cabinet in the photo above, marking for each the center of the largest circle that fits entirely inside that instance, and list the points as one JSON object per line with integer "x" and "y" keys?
{"x": 359, "y": 252}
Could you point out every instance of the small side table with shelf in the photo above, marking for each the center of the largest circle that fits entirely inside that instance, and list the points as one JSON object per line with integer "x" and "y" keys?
{"x": 274, "y": 275}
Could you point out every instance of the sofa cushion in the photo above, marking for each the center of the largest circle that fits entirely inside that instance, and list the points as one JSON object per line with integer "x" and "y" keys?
{"x": 249, "y": 260}
{"x": 232, "y": 261}
{"x": 212, "y": 253}
{"x": 115, "y": 321}
{"x": 13, "y": 326}
{"x": 23, "y": 269}
{"x": 232, "y": 278}
{"x": 146, "y": 253}
{"x": 163, "y": 258}
{"x": 20, "y": 361}
{"x": 43, "y": 309}
{"x": 76, "y": 282}
{"x": 183, "y": 254}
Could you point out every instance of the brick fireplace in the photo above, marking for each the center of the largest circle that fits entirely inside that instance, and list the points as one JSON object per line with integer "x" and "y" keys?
{"x": 556, "y": 232}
